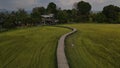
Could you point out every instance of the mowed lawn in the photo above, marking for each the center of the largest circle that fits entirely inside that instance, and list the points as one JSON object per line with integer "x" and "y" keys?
{"x": 94, "y": 46}
{"x": 30, "y": 48}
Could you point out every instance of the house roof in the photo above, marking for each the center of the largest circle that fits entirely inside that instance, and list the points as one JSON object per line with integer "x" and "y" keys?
{"x": 46, "y": 16}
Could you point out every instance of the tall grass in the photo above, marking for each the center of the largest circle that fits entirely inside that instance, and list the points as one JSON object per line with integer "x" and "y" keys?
{"x": 30, "y": 48}
{"x": 94, "y": 46}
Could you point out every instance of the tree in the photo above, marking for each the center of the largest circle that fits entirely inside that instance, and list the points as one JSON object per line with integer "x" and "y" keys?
{"x": 112, "y": 13}
{"x": 52, "y": 8}
{"x": 21, "y": 17}
{"x": 2, "y": 19}
{"x": 99, "y": 17}
{"x": 119, "y": 18}
{"x": 83, "y": 7}
{"x": 38, "y": 11}
{"x": 74, "y": 14}
{"x": 62, "y": 16}
{"x": 10, "y": 21}
{"x": 68, "y": 15}
{"x": 36, "y": 14}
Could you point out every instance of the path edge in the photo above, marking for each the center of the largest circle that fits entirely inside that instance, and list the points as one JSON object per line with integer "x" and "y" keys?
{"x": 62, "y": 61}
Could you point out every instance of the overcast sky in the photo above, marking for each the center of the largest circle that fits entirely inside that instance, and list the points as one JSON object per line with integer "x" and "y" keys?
{"x": 64, "y": 4}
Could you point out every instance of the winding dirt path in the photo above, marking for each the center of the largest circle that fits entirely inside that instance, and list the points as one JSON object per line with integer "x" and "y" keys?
{"x": 61, "y": 57}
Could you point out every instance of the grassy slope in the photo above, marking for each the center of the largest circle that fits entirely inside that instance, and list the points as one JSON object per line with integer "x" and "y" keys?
{"x": 30, "y": 48}
{"x": 95, "y": 46}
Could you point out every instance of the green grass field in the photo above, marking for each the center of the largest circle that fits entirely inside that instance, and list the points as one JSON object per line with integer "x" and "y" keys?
{"x": 94, "y": 46}
{"x": 30, "y": 48}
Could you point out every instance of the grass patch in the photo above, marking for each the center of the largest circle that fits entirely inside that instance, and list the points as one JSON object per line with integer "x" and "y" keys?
{"x": 30, "y": 48}
{"x": 94, "y": 46}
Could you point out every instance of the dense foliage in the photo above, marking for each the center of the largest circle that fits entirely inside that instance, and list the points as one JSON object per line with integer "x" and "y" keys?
{"x": 80, "y": 13}
{"x": 83, "y": 7}
{"x": 112, "y": 13}
{"x": 52, "y": 8}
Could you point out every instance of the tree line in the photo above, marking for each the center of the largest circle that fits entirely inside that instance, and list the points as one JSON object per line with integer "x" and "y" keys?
{"x": 81, "y": 12}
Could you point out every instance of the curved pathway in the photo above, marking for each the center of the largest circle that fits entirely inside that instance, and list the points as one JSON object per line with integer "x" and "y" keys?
{"x": 61, "y": 57}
